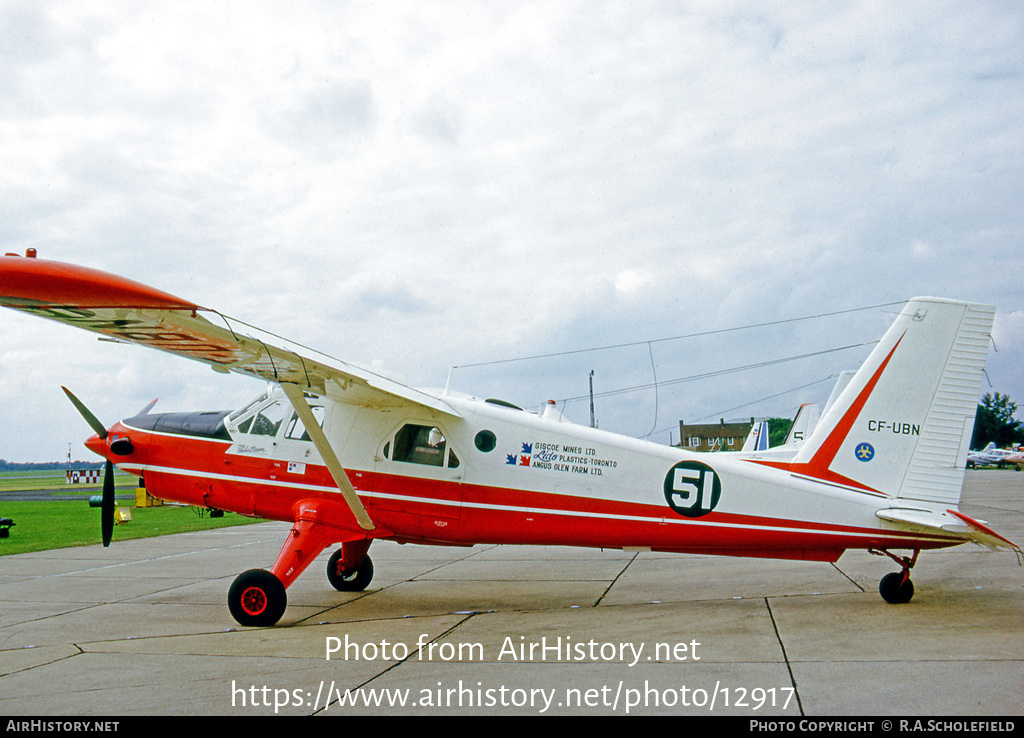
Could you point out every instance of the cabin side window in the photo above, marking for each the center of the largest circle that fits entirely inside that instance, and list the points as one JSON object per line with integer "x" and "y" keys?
{"x": 297, "y": 431}
{"x": 421, "y": 444}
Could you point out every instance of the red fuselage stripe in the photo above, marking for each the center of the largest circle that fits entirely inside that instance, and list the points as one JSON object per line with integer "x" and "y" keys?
{"x": 414, "y": 508}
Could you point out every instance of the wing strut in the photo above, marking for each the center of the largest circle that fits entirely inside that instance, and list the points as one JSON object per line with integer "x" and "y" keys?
{"x": 316, "y": 433}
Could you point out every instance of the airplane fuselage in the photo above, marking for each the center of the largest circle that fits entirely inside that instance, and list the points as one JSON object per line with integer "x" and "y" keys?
{"x": 501, "y": 475}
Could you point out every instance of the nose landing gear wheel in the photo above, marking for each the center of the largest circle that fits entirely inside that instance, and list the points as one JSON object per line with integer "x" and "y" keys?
{"x": 257, "y": 598}
{"x": 352, "y": 581}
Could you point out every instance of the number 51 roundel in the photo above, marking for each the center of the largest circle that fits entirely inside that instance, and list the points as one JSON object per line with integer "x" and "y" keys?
{"x": 692, "y": 488}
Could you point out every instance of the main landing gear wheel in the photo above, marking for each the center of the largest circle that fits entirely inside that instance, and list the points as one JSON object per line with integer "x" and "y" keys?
{"x": 257, "y": 598}
{"x": 352, "y": 581}
{"x": 896, "y": 588}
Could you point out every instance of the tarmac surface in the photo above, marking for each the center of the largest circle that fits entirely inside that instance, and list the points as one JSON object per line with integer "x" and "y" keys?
{"x": 142, "y": 628}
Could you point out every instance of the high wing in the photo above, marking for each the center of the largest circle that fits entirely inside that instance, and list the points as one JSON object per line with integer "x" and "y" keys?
{"x": 127, "y": 311}
{"x": 123, "y": 310}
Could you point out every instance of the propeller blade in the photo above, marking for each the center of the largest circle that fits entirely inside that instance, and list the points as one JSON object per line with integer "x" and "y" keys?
{"x": 91, "y": 419}
{"x": 107, "y": 509}
{"x": 107, "y": 506}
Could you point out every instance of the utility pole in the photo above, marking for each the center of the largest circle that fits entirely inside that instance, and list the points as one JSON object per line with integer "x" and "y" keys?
{"x": 593, "y": 423}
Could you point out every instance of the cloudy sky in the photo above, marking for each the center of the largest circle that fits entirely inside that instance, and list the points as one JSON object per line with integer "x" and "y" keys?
{"x": 414, "y": 186}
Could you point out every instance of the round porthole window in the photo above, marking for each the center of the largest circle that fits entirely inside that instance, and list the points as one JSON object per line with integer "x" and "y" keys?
{"x": 485, "y": 441}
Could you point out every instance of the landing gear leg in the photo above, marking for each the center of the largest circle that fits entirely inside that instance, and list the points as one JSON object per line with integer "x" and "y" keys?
{"x": 349, "y": 568}
{"x": 257, "y": 597}
{"x": 896, "y": 588}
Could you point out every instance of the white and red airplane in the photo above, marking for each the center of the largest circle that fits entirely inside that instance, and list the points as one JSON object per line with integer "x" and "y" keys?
{"x": 348, "y": 456}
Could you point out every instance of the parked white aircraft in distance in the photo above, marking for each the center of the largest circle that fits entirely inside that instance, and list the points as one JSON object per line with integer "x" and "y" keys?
{"x": 992, "y": 456}
{"x": 1015, "y": 458}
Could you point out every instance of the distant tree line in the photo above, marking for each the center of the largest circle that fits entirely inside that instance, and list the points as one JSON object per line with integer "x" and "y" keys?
{"x": 11, "y": 466}
{"x": 995, "y": 422}
{"x": 778, "y": 429}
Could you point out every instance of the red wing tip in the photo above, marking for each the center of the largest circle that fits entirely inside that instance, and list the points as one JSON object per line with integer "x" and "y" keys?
{"x": 43, "y": 282}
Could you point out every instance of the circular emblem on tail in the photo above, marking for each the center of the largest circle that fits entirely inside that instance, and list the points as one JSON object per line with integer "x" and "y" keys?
{"x": 692, "y": 488}
{"x": 864, "y": 452}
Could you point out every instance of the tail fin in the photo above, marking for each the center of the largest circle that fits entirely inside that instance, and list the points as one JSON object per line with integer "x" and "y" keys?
{"x": 844, "y": 379}
{"x": 902, "y": 426}
{"x": 803, "y": 425}
{"x": 757, "y": 440}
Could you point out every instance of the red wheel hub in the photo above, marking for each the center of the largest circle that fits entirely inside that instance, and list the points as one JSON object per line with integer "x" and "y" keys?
{"x": 254, "y": 600}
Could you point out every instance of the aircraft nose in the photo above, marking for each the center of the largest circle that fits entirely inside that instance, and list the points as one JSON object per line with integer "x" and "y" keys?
{"x": 114, "y": 445}
{"x": 97, "y": 445}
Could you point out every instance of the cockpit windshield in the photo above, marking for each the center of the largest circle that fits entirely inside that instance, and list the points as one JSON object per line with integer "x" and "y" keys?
{"x": 261, "y": 397}
{"x": 266, "y": 413}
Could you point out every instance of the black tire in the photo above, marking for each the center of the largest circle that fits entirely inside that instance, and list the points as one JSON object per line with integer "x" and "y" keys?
{"x": 352, "y": 581}
{"x": 894, "y": 590}
{"x": 257, "y": 598}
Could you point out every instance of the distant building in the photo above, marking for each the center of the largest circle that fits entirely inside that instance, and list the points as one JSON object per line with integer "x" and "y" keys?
{"x": 720, "y": 436}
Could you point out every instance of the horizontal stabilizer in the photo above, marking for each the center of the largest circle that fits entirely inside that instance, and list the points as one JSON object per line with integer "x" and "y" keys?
{"x": 949, "y": 522}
